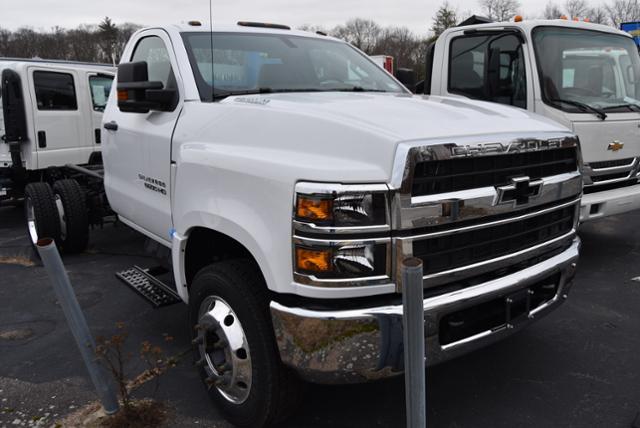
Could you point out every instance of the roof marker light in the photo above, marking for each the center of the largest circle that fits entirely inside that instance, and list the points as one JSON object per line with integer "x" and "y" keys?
{"x": 518, "y": 18}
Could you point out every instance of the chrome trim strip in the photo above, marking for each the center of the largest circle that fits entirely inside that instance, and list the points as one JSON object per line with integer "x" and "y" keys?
{"x": 495, "y": 263}
{"x": 488, "y": 224}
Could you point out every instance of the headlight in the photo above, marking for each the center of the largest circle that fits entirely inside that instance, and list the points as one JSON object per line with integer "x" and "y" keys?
{"x": 336, "y": 207}
{"x": 341, "y": 260}
{"x": 325, "y": 213}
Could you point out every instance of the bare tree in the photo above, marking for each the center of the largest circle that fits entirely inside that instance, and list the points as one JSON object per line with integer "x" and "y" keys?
{"x": 552, "y": 11}
{"x": 445, "y": 17}
{"x": 620, "y": 11}
{"x": 576, "y": 8}
{"x": 362, "y": 33}
{"x": 500, "y": 10}
{"x": 598, "y": 15}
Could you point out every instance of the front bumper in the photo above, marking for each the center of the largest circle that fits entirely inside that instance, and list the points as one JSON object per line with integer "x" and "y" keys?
{"x": 609, "y": 202}
{"x": 358, "y": 345}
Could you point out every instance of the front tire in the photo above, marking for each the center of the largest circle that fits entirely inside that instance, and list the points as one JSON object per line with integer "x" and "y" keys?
{"x": 235, "y": 347}
{"x": 41, "y": 213}
{"x": 74, "y": 235}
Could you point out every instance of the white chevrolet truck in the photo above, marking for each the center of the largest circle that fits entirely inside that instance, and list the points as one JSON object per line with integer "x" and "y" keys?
{"x": 51, "y": 116}
{"x": 288, "y": 176}
{"x": 584, "y": 76}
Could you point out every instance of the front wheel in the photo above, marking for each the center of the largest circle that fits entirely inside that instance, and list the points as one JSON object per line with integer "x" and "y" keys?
{"x": 72, "y": 209}
{"x": 235, "y": 347}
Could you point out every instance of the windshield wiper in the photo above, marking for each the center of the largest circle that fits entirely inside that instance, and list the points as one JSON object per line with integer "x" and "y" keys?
{"x": 265, "y": 91}
{"x": 582, "y": 106}
{"x": 632, "y": 107}
{"x": 359, "y": 89}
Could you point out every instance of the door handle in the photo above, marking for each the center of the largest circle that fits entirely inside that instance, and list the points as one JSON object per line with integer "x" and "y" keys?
{"x": 111, "y": 126}
{"x": 42, "y": 139}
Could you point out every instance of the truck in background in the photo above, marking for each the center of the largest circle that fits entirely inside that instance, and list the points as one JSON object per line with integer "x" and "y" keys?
{"x": 584, "y": 76}
{"x": 287, "y": 176}
{"x": 384, "y": 61}
{"x": 51, "y": 117}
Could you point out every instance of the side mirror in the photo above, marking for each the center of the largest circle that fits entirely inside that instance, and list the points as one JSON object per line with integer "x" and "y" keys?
{"x": 136, "y": 94}
{"x": 408, "y": 78}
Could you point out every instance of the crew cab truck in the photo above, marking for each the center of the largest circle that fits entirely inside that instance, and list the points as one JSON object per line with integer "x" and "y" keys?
{"x": 288, "y": 175}
{"x": 51, "y": 117}
{"x": 584, "y": 76}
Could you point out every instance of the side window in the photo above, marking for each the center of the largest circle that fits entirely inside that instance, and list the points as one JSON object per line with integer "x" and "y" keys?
{"x": 100, "y": 87}
{"x": 152, "y": 50}
{"x": 55, "y": 91}
{"x": 489, "y": 67}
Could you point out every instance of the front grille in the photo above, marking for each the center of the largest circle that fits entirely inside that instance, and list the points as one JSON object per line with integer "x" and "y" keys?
{"x": 610, "y": 186}
{"x": 450, "y": 175}
{"x": 466, "y": 248}
{"x": 612, "y": 163}
{"x": 607, "y": 177}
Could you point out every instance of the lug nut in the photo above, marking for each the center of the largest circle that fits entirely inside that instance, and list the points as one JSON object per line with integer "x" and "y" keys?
{"x": 223, "y": 368}
{"x": 197, "y": 341}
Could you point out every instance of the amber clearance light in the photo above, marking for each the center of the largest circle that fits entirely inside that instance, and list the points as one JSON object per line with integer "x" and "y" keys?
{"x": 123, "y": 95}
{"x": 313, "y": 260}
{"x": 314, "y": 208}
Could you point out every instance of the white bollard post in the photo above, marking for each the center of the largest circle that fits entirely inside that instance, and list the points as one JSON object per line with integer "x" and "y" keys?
{"x": 77, "y": 323}
{"x": 414, "y": 350}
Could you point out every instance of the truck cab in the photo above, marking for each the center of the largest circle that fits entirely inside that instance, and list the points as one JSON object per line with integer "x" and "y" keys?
{"x": 584, "y": 76}
{"x": 51, "y": 116}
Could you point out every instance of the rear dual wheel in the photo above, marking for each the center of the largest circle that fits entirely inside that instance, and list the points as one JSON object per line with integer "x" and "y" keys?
{"x": 59, "y": 213}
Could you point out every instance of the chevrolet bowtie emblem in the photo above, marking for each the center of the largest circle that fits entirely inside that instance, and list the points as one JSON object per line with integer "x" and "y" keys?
{"x": 615, "y": 146}
{"x": 519, "y": 192}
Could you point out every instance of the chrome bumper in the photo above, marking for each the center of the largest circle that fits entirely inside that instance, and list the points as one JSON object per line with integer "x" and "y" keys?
{"x": 358, "y": 345}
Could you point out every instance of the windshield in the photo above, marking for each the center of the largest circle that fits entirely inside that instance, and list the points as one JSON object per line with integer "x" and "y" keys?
{"x": 264, "y": 63}
{"x": 585, "y": 71}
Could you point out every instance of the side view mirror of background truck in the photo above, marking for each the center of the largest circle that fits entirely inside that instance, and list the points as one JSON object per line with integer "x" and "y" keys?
{"x": 136, "y": 94}
{"x": 408, "y": 78}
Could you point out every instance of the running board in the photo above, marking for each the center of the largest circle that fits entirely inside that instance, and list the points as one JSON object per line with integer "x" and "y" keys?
{"x": 143, "y": 282}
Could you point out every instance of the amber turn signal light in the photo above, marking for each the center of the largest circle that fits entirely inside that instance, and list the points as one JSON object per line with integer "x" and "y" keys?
{"x": 313, "y": 260}
{"x": 314, "y": 208}
{"x": 123, "y": 95}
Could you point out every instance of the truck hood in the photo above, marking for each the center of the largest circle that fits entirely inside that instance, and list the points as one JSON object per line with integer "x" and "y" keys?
{"x": 404, "y": 117}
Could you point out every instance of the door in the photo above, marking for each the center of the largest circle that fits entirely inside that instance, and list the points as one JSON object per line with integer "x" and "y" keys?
{"x": 58, "y": 122}
{"x": 99, "y": 88}
{"x": 137, "y": 155}
{"x": 489, "y": 66}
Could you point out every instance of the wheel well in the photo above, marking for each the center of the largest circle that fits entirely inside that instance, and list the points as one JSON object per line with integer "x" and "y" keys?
{"x": 206, "y": 246}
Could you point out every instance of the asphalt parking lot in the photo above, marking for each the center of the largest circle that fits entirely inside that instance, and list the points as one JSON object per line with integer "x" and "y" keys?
{"x": 579, "y": 367}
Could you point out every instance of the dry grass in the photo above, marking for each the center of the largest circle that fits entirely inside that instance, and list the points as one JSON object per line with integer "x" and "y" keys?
{"x": 18, "y": 260}
{"x": 140, "y": 414}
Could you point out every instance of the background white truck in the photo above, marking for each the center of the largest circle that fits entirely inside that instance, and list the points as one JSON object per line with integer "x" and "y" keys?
{"x": 583, "y": 76}
{"x": 287, "y": 176}
{"x": 51, "y": 116}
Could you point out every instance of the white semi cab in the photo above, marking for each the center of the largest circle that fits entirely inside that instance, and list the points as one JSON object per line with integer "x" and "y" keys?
{"x": 51, "y": 116}
{"x": 288, "y": 176}
{"x": 584, "y": 76}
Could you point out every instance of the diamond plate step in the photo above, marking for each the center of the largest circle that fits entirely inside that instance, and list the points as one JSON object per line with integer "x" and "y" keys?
{"x": 145, "y": 284}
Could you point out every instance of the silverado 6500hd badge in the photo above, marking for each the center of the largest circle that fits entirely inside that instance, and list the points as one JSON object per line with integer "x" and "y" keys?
{"x": 153, "y": 184}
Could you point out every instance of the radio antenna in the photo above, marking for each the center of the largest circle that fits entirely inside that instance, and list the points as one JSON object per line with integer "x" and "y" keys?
{"x": 213, "y": 77}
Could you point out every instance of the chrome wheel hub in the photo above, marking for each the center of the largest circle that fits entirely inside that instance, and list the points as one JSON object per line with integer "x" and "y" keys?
{"x": 223, "y": 350}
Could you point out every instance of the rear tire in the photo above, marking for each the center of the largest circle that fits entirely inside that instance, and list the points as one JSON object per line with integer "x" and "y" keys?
{"x": 74, "y": 234}
{"x": 41, "y": 213}
{"x": 269, "y": 391}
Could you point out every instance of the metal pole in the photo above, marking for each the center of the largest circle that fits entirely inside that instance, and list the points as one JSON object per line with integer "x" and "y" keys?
{"x": 414, "y": 350}
{"x": 77, "y": 323}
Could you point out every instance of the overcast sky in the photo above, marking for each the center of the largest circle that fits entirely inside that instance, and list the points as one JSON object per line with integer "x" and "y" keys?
{"x": 415, "y": 14}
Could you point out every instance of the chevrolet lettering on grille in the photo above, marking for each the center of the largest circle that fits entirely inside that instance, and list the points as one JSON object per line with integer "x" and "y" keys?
{"x": 519, "y": 192}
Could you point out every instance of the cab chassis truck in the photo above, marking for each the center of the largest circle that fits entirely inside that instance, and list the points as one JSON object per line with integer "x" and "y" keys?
{"x": 288, "y": 176}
